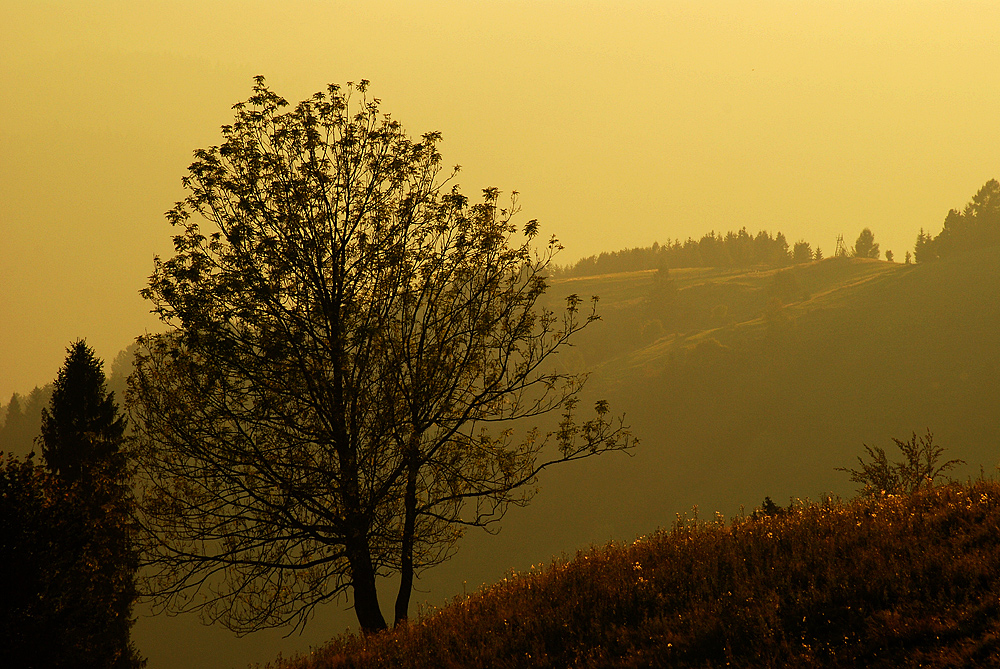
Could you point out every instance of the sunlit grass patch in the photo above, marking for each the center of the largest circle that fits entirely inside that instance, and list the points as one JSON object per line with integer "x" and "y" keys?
{"x": 890, "y": 581}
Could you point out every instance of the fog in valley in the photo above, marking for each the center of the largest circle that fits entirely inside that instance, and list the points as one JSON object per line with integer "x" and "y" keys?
{"x": 788, "y": 211}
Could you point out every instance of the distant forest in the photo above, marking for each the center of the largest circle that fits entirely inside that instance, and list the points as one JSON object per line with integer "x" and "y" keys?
{"x": 734, "y": 249}
{"x": 975, "y": 227}
{"x": 21, "y": 419}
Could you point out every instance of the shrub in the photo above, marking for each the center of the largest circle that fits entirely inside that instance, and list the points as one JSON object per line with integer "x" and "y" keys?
{"x": 919, "y": 469}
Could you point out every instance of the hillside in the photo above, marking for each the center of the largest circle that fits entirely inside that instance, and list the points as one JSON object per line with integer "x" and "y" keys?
{"x": 776, "y": 399}
{"x": 767, "y": 401}
{"x": 892, "y": 582}
{"x": 769, "y": 380}
{"x": 643, "y": 309}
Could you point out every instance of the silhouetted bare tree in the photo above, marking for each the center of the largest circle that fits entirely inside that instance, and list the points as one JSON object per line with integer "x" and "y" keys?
{"x": 344, "y": 350}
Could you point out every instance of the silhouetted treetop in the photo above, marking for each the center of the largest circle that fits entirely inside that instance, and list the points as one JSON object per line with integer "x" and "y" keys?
{"x": 976, "y": 226}
{"x": 802, "y": 252}
{"x": 866, "y": 246}
{"x": 83, "y": 443}
{"x": 81, "y": 428}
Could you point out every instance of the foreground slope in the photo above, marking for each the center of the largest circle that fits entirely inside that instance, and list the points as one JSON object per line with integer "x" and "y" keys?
{"x": 893, "y": 582}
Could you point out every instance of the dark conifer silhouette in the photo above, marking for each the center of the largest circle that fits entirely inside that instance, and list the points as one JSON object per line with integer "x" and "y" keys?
{"x": 977, "y": 226}
{"x": 81, "y": 430}
{"x": 82, "y": 441}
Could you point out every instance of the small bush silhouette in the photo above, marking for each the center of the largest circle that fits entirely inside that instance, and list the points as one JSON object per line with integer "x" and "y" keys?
{"x": 768, "y": 508}
{"x": 919, "y": 469}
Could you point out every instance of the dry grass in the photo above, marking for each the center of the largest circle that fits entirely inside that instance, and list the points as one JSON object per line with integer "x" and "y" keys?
{"x": 897, "y": 581}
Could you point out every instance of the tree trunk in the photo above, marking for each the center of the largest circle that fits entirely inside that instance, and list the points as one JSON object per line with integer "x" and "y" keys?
{"x": 366, "y": 605}
{"x": 409, "y": 527}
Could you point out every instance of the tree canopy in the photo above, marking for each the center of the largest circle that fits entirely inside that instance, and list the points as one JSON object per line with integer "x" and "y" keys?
{"x": 974, "y": 227}
{"x": 802, "y": 252}
{"x": 349, "y": 348}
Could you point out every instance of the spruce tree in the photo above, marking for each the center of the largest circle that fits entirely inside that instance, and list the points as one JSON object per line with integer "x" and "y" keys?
{"x": 82, "y": 441}
{"x": 82, "y": 432}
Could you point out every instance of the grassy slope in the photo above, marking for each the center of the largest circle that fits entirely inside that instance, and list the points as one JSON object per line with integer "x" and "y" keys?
{"x": 905, "y": 581}
{"x": 736, "y": 407}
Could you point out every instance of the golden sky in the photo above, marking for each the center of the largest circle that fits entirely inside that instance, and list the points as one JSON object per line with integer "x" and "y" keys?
{"x": 621, "y": 123}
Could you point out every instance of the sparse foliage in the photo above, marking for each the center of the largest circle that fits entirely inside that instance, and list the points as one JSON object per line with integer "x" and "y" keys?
{"x": 346, "y": 346}
{"x": 920, "y": 468}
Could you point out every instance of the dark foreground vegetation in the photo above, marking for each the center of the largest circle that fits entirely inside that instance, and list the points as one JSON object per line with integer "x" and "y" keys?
{"x": 66, "y": 548}
{"x": 891, "y": 581}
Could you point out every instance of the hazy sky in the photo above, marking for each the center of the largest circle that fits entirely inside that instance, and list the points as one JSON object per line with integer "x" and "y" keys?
{"x": 621, "y": 123}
